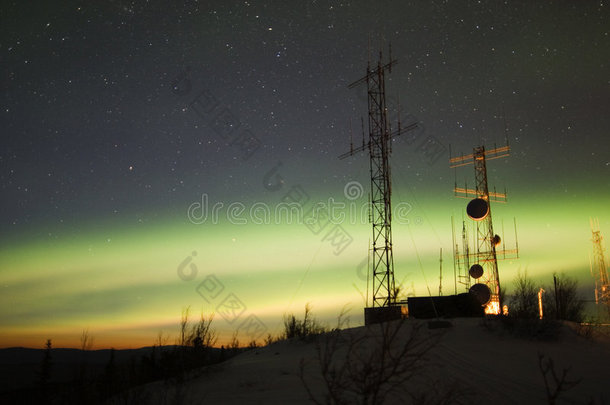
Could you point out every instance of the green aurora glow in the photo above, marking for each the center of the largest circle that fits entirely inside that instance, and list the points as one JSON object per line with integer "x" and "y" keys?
{"x": 122, "y": 282}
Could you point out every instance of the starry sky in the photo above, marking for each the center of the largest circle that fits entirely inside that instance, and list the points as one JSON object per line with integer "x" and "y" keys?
{"x": 149, "y": 150}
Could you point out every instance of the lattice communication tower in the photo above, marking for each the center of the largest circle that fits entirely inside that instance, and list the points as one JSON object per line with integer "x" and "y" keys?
{"x": 379, "y": 145}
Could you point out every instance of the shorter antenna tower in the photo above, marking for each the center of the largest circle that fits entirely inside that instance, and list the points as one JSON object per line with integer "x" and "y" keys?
{"x": 599, "y": 268}
{"x": 480, "y": 262}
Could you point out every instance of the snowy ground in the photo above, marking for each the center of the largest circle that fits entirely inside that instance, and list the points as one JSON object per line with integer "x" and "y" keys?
{"x": 466, "y": 363}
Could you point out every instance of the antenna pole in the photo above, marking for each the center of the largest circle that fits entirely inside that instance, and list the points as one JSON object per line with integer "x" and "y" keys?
{"x": 440, "y": 277}
{"x": 455, "y": 256}
{"x": 368, "y": 272}
{"x": 362, "y": 127}
{"x": 602, "y": 283}
{"x": 516, "y": 239}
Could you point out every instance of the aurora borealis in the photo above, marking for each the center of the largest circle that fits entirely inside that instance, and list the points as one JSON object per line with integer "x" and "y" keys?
{"x": 117, "y": 118}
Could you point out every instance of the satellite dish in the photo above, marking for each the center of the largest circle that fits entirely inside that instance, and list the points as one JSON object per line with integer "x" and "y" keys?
{"x": 481, "y": 293}
{"x": 496, "y": 240}
{"x": 477, "y": 209}
{"x": 476, "y": 271}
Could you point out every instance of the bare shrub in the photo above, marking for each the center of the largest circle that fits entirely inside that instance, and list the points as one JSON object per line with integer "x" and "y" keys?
{"x": 305, "y": 328}
{"x": 554, "y": 383}
{"x": 202, "y": 335}
{"x": 369, "y": 365}
{"x": 270, "y": 339}
{"x": 234, "y": 343}
{"x": 562, "y": 300}
{"x": 184, "y": 321}
{"x": 86, "y": 340}
{"x": 83, "y": 387}
{"x": 524, "y": 300}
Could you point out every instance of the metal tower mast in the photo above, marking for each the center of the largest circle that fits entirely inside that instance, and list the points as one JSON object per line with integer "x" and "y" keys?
{"x": 379, "y": 146}
{"x": 485, "y": 256}
{"x": 599, "y": 268}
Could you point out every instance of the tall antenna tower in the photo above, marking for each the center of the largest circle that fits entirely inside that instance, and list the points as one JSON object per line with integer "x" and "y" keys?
{"x": 484, "y": 256}
{"x": 379, "y": 147}
{"x": 599, "y": 268}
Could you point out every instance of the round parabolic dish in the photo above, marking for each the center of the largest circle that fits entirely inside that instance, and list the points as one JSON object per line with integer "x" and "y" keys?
{"x": 476, "y": 271}
{"x": 477, "y": 209}
{"x": 481, "y": 293}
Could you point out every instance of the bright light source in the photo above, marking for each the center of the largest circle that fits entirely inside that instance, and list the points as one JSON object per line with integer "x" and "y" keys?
{"x": 493, "y": 306}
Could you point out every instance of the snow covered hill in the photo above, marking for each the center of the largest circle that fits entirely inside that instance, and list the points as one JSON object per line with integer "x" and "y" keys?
{"x": 459, "y": 361}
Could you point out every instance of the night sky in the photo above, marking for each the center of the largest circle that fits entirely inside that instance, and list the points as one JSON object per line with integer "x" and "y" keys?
{"x": 144, "y": 144}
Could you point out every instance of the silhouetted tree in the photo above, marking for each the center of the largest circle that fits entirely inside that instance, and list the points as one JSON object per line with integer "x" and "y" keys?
{"x": 108, "y": 384}
{"x": 44, "y": 375}
{"x": 561, "y": 300}
{"x": 524, "y": 300}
